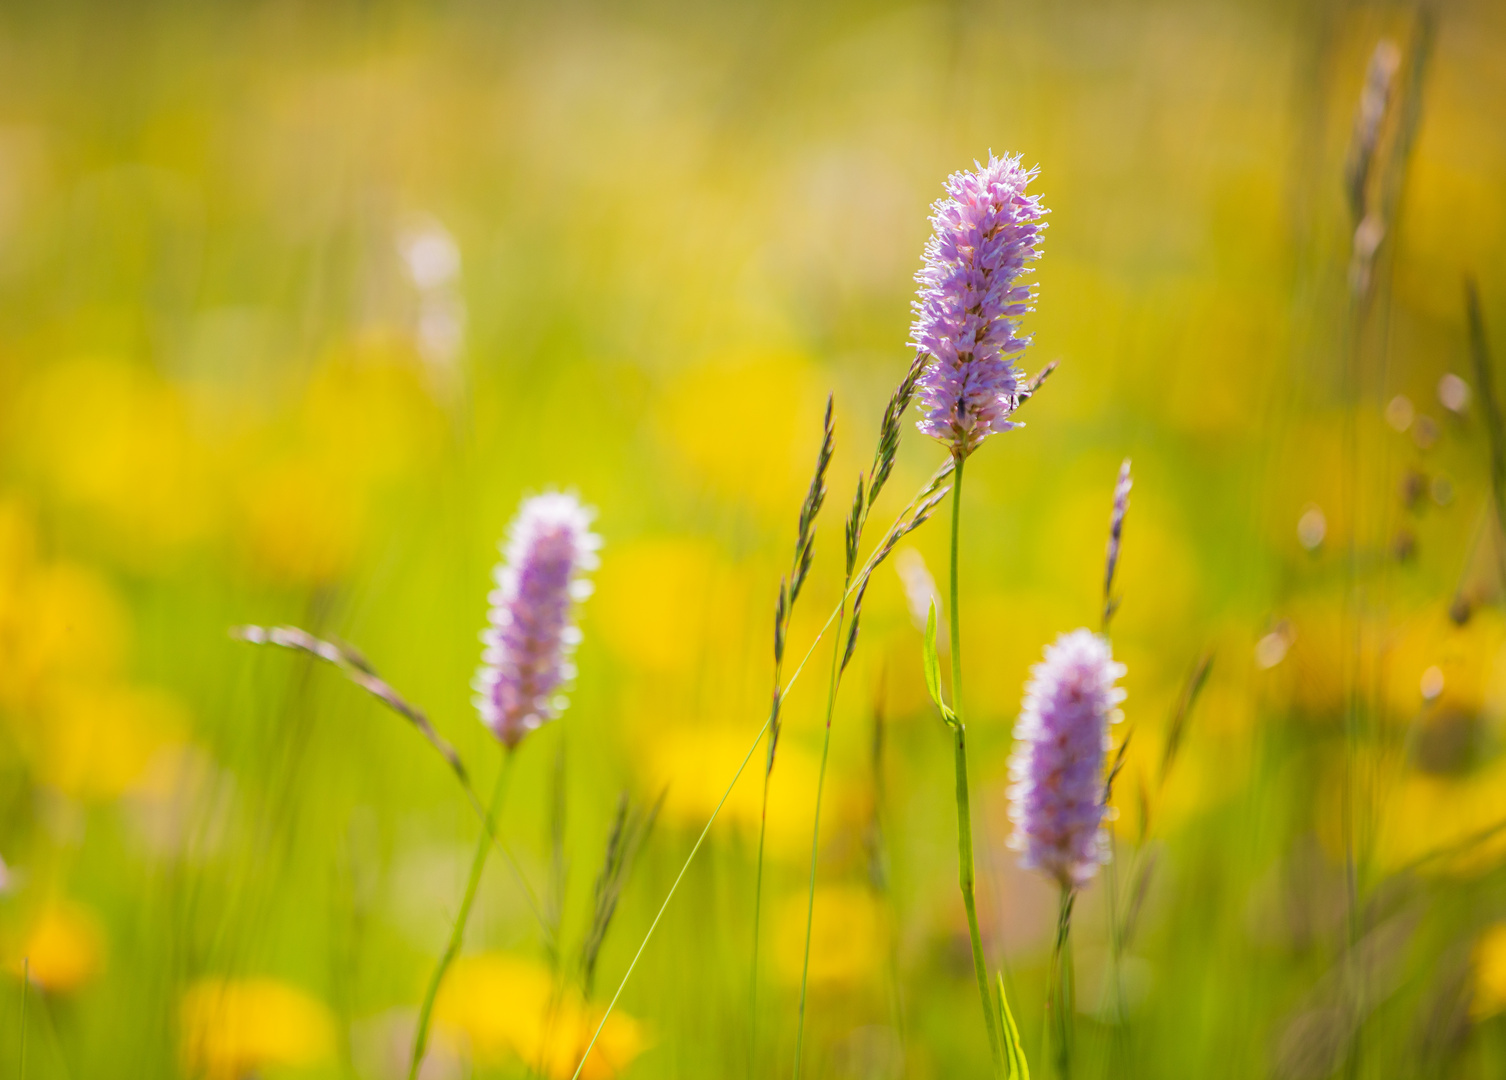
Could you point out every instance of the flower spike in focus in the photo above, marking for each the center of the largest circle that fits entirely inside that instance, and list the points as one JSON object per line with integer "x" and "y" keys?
{"x": 970, "y": 301}
{"x": 525, "y": 666}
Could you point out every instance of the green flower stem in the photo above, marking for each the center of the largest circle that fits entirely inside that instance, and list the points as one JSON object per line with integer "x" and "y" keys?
{"x": 965, "y": 874}
{"x": 1060, "y": 997}
{"x": 457, "y": 932}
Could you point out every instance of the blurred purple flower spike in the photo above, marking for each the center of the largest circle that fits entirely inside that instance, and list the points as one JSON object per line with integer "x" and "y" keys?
{"x": 970, "y": 301}
{"x": 1056, "y": 771}
{"x": 526, "y": 663}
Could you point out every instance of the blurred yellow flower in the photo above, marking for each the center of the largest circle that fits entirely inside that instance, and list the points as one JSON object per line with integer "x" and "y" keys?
{"x": 1468, "y": 660}
{"x": 1444, "y": 819}
{"x": 63, "y": 641}
{"x": 367, "y": 413}
{"x": 739, "y": 426}
{"x": 18, "y": 542}
{"x": 63, "y": 949}
{"x": 508, "y": 1007}
{"x": 301, "y": 521}
{"x": 364, "y": 419}
{"x": 694, "y": 765}
{"x": 115, "y": 439}
{"x": 849, "y": 937}
{"x": 57, "y": 622}
{"x": 664, "y": 604}
{"x": 234, "y": 1028}
{"x": 95, "y": 742}
{"x": 1489, "y": 997}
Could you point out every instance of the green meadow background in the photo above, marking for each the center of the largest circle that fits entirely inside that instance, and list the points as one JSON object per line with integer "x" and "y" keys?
{"x": 299, "y": 300}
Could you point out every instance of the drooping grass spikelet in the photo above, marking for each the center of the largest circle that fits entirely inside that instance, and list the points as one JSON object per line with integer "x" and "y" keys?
{"x": 526, "y": 662}
{"x": 631, "y": 827}
{"x": 359, "y": 671}
{"x": 971, "y": 299}
{"x": 889, "y": 428}
{"x": 1369, "y": 117}
{"x": 901, "y": 529}
{"x": 1116, "y": 531}
{"x": 815, "y": 495}
{"x": 1056, "y": 770}
{"x": 1033, "y": 387}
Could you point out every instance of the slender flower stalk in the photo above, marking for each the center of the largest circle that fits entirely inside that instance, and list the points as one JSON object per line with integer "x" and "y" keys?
{"x": 457, "y": 932}
{"x": 965, "y": 870}
{"x": 1057, "y": 786}
{"x": 524, "y": 667}
{"x": 1061, "y": 997}
{"x": 966, "y": 325}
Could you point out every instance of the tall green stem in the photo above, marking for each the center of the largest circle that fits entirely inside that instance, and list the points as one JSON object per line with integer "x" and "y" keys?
{"x": 763, "y": 828}
{"x": 965, "y": 872}
{"x": 457, "y": 933}
{"x": 810, "y": 906}
{"x": 1061, "y": 997}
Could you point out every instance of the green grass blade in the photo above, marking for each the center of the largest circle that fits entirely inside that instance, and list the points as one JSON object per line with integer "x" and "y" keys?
{"x": 1014, "y": 1053}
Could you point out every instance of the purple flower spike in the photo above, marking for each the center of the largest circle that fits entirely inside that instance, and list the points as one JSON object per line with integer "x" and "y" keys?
{"x": 526, "y": 662}
{"x": 1056, "y": 793}
{"x": 970, "y": 301}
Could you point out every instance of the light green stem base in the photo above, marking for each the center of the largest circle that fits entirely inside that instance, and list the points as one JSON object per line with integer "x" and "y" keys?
{"x": 965, "y": 872}
{"x": 457, "y": 932}
{"x": 1061, "y": 998}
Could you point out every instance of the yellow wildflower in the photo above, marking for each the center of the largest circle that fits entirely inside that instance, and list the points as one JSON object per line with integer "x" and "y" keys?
{"x": 94, "y": 743}
{"x": 115, "y": 440}
{"x": 236, "y": 1027}
{"x": 302, "y": 521}
{"x": 693, "y": 766}
{"x": 507, "y": 1007}
{"x": 1489, "y": 996}
{"x": 57, "y": 622}
{"x": 63, "y": 949}
{"x": 751, "y": 444}
{"x": 665, "y": 604}
{"x": 849, "y": 935}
